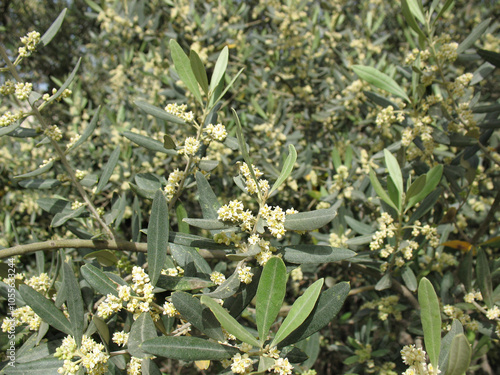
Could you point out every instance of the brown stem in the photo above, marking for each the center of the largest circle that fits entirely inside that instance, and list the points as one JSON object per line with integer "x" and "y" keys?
{"x": 140, "y": 247}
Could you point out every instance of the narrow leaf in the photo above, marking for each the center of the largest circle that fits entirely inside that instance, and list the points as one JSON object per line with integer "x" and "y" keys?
{"x": 187, "y": 348}
{"x": 149, "y": 143}
{"x": 199, "y": 70}
{"x": 53, "y": 29}
{"x": 74, "y": 302}
{"x": 227, "y": 88}
{"x": 287, "y": 168}
{"x": 270, "y": 295}
{"x": 142, "y": 330}
{"x": 394, "y": 170}
{"x": 208, "y": 223}
{"x": 158, "y": 112}
{"x": 299, "y": 312}
{"x": 456, "y": 329}
{"x": 380, "y": 190}
{"x": 475, "y": 34}
{"x": 329, "y": 304}
{"x": 315, "y": 254}
{"x": 98, "y": 280}
{"x": 309, "y": 220}
{"x": 183, "y": 69}
{"x": 483, "y": 276}
{"x": 416, "y": 187}
{"x": 219, "y": 69}
{"x": 208, "y": 200}
{"x": 89, "y": 130}
{"x": 229, "y": 323}
{"x": 430, "y": 316}
{"x": 66, "y": 83}
{"x": 37, "y": 172}
{"x": 416, "y": 10}
{"x": 198, "y": 315}
{"x": 39, "y": 183}
{"x": 460, "y": 355}
{"x": 46, "y": 309}
{"x": 108, "y": 169}
{"x": 158, "y": 229}
{"x": 409, "y": 278}
{"x": 432, "y": 179}
{"x": 380, "y": 80}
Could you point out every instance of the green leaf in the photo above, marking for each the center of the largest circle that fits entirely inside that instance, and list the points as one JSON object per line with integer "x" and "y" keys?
{"x": 198, "y": 315}
{"x": 426, "y": 205}
{"x": 384, "y": 283}
{"x": 105, "y": 258}
{"x": 223, "y": 92}
{"x": 445, "y": 7}
{"x": 227, "y": 288}
{"x": 483, "y": 276}
{"x": 270, "y": 295}
{"x": 309, "y": 220}
{"x": 208, "y": 223}
{"x": 37, "y": 172}
{"x": 415, "y": 7}
{"x": 89, "y": 130}
{"x": 490, "y": 56}
{"x": 158, "y": 229}
{"x": 183, "y": 68}
{"x": 380, "y": 190}
{"x": 409, "y": 278}
{"x": 199, "y": 70}
{"x": 186, "y": 256}
{"x": 102, "y": 328}
{"x": 158, "y": 112}
{"x": 66, "y": 83}
{"x": 74, "y": 302}
{"x": 456, "y": 329}
{"x": 380, "y": 80}
{"x": 243, "y": 147}
{"x": 182, "y": 283}
{"x": 394, "y": 171}
{"x": 416, "y": 187}
{"x": 219, "y": 69}
{"x": 475, "y": 34}
{"x": 358, "y": 226}
{"x": 287, "y": 168}
{"x": 62, "y": 217}
{"x": 315, "y": 254}
{"x": 181, "y": 214}
{"x": 187, "y": 348}
{"x": 168, "y": 142}
{"x": 53, "y": 29}
{"x": 143, "y": 329}
{"x": 430, "y": 316}
{"x": 98, "y": 280}
{"x": 44, "y": 366}
{"x": 229, "y": 323}
{"x": 108, "y": 169}
{"x": 329, "y": 304}
{"x": 299, "y": 312}
{"x": 54, "y": 205}
{"x": 148, "y": 143}
{"x": 46, "y": 309}
{"x": 460, "y": 355}
{"x": 410, "y": 18}
{"x": 39, "y": 183}
{"x": 208, "y": 200}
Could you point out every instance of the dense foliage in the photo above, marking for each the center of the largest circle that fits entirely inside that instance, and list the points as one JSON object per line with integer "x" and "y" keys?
{"x": 297, "y": 187}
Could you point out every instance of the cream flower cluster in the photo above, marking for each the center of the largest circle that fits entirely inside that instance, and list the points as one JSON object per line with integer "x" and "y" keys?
{"x": 385, "y": 306}
{"x": 23, "y": 90}
{"x": 191, "y": 146}
{"x": 53, "y": 132}
{"x": 120, "y": 338}
{"x": 415, "y": 358}
{"x": 454, "y": 312}
{"x": 180, "y": 111}
{"x": 245, "y": 275}
{"x": 174, "y": 179}
{"x": 217, "y": 278}
{"x": 242, "y": 364}
{"x": 138, "y": 303}
{"x": 282, "y": 366}
{"x": 251, "y": 185}
{"x": 215, "y": 133}
{"x": 134, "y": 367}
{"x": 92, "y": 356}
{"x": 30, "y": 42}
{"x": 20, "y": 316}
{"x": 174, "y": 271}
{"x": 8, "y": 118}
{"x": 7, "y": 88}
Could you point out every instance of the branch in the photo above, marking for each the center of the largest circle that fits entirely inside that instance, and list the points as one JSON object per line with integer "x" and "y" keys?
{"x": 137, "y": 247}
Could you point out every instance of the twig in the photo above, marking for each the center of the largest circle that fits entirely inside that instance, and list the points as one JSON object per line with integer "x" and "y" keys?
{"x": 139, "y": 247}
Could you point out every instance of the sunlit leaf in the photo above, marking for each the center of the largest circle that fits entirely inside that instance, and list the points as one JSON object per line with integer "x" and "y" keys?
{"x": 430, "y": 315}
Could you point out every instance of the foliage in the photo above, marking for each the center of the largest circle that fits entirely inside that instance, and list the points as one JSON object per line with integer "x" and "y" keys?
{"x": 250, "y": 187}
